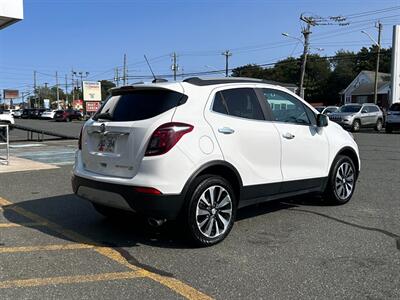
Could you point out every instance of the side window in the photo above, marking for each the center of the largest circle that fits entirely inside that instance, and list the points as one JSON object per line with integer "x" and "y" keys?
{"x": 241, "y": 103}
{"x": 288, "y": 109}
{"x": 374, "y": 109}
{"x": 219, "y": 104}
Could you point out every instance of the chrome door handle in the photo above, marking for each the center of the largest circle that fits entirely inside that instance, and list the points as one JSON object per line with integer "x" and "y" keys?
{"x": 226, "y": 130}
{"x": 288, "y": 135}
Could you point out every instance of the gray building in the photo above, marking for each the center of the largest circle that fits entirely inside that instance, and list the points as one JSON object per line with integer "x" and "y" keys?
{"x": 361, "y": 89}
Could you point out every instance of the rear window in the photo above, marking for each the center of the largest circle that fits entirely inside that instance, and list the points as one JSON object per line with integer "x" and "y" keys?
{"x": 139, "y": 105}
{"x": 395, "y": 107}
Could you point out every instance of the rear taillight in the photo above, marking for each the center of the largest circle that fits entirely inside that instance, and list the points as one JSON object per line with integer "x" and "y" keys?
{"x": 80, "y": 140}
{"x": 165, "y": 137}
{"x": 147, "y": 190}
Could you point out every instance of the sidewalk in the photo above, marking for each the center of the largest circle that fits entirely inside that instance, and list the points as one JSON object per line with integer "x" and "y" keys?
{"x": 17, "y": 164}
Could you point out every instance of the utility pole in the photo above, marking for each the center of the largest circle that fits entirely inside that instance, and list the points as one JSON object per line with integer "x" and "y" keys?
{"x": 57, "y": 92}
{"x": 306, "y": 33}
{"x": 379, "y": 26}
{"x": 125, "y": 71}
{"x": 34, "y": 87}
{"x": 116, "y": 79}
{"x": 175, "y": 66}
{"x": 66, "y": 90}
{"x": 227, "y": 54}
{"x": 73, "y": 85}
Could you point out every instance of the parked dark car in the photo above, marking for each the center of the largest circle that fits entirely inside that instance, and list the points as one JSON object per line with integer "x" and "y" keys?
{"x": 67, "y": 115}
{"x": 38, "y": 113}
{"x": 28, "y": 113}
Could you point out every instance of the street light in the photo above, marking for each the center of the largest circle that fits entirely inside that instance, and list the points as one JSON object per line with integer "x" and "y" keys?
{"x": 306, "y": 46}
{"x": 370, "y": 37}
{"x": 292, "y": 37}
{"x": 378, "y": 44}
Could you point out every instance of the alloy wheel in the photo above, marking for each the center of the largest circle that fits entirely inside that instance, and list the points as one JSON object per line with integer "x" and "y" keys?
{"x": 344, "y": 181}
{"x": 214, "y": 211}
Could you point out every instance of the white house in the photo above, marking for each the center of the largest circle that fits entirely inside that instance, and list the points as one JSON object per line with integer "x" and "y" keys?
{"x": 11, "y": 11}
{"x": 361, "y": 89}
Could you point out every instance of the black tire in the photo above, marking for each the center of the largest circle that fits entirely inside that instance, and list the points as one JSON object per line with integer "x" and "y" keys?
{"x": 68, "y": 119}
{"x": 355, "y": 127}
{"x": 378, "y": 125}
{"x": 201, "y": 185}
{"x": 388, "y": 129}
{"x": 109, "y": 212}
{"x": 333, "y": 194}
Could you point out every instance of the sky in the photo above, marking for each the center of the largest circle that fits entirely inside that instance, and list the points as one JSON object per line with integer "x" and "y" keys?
{"x": 93, "y": 35}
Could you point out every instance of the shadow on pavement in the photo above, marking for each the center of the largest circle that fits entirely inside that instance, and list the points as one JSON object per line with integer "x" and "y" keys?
{"x": 73, "y": 214}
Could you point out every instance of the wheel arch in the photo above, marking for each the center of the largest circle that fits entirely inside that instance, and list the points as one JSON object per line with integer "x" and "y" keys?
{"x": 352, "y": 154}
{"x": 220, "y": 168}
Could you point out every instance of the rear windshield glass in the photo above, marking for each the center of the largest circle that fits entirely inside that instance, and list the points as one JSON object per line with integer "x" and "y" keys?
{"x": 395, "y": 107}
{"x": 350, "y": 108}
{"x": 139, "y": 105}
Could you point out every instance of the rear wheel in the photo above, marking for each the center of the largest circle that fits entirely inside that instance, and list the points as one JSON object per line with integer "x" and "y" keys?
{"x": 211, "y": 210}
{"x": 379, "y": 125}
{"x": 356, "y": 126}
{"x": 68, "y": 119}
{"x": 341, "y": 181}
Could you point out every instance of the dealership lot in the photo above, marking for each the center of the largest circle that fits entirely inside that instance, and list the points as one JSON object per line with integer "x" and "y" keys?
{"x": 53, "y": 244}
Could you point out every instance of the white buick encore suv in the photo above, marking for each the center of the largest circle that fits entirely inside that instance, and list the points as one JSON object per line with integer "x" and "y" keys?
{"x": 199, "y": 149}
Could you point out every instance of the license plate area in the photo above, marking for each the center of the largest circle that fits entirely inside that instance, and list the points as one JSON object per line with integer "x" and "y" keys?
{"x": 106, "y": 144}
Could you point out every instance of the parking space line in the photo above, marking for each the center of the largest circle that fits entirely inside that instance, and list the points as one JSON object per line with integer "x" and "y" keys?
{"x": 44, "y": 248}
{"x": 68, "y": 279}
{"x": 175, "y": 285}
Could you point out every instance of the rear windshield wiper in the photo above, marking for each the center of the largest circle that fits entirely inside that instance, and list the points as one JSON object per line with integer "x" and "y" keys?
{"x": 103, "y": 116}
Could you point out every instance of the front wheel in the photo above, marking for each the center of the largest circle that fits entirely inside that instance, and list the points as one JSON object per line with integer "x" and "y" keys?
{"x": 211, "y": 210}
{"x": 356, "y": 126}
{"x": 341, "y": 181}
{"x": 379, "y": 125}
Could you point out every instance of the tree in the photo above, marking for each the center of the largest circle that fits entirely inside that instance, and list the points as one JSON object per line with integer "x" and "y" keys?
{"x": 106, "y": 85}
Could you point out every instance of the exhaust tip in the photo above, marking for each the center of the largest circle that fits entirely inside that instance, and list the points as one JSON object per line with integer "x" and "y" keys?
{"x": 156, "y": 222}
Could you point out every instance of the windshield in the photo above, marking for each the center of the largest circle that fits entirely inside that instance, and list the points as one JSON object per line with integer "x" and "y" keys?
{"x": 350, "y": 108}
{"x": 395, "y": 107}
{"x": 331, "y": 110}
{"x": 139, "y": 105}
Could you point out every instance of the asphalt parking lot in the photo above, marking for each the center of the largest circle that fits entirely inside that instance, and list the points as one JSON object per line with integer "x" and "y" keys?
{"x": 54, "y": 245}
{"x": 71, "y": 129}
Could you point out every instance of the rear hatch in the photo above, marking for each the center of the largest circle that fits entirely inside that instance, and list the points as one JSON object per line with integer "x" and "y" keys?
{"x": 115, "y": 139}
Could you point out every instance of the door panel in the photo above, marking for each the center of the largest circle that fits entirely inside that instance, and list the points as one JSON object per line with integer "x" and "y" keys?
{"x": 250, "y": 144}
{"x": 305, "y": 148}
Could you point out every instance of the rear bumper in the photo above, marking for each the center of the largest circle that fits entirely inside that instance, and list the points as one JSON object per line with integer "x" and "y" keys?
{"x": 156, "y": 206}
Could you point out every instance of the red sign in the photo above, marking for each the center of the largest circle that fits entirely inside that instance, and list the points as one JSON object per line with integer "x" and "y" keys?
{"x": 92, "y": 106}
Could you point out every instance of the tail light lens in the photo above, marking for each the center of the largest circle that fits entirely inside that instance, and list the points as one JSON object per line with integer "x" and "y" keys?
{"x": 146, "y": 190}
{"x": 80, "y": 140}
{"x": 165, "y": 137}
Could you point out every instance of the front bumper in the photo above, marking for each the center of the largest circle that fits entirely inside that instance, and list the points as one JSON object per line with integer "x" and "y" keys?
{"x": 125, "y": 197}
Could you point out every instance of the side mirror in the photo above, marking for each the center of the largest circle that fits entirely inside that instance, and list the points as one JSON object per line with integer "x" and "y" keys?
{"x": 322, "y": 120}
{"x": 364, "y": 111}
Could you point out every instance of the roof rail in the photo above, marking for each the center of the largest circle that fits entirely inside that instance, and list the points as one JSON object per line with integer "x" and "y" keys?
{"x": 211, "y": 81}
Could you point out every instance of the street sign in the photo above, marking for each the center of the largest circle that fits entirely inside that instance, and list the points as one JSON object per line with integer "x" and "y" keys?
{"x": 91, "y": 91}
{"x": 10, "y": 94}
{"x": 92, "y": 106}
{"x": 46, "y": 103}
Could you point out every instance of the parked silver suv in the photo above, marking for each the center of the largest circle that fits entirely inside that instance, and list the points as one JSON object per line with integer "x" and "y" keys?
{"x": 355, "y": 116}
